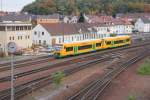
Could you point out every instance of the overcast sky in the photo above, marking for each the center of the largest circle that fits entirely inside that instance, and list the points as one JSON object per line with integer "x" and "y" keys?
{"x": 14, "y": 5}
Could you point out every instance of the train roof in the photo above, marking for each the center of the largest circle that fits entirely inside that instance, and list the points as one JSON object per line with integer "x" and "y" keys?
{"x": 117, "y": 37}
{"x": 91, "y": 40}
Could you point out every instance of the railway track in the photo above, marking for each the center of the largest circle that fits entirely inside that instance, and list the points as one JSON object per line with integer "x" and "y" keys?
{"x": 47, "y": 80}
{"x": 95, "y": 89}
{"x": 68, "y": 62}
{"x": 22, "y": 61}
{"x": 43, "y": 59}
{"x": 28, "y": 87}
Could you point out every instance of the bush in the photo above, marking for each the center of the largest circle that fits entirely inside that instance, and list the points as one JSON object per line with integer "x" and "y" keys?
{"x": 58, "y": 78}
{"x": 131, "y": 97}
{"x": 145, "y": 68}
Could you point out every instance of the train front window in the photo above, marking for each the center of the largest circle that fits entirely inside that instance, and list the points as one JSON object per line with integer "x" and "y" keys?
{"x": 58, "y": 47}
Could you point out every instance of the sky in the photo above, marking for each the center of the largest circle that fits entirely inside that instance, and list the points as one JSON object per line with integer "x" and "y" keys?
{"x": 14, "y": 5}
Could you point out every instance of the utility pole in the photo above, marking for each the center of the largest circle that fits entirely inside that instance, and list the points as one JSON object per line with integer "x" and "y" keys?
{"x": 12, "y": 77}
{"x": 12, "y": 49}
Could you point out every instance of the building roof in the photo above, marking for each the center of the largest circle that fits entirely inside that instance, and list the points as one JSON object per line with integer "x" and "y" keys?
{"x": 15, "y": 17}
{"x": 133, "y": 15}
{"x": 54, "y": 16}
{"x": 64, "y": 28}
{"x": 145, "y": 20}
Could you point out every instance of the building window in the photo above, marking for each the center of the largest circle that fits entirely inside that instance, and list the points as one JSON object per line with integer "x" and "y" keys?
{"x": 2, "y": 28}
{"x": 21, "y": 27}
{"x": 29, "y": 27}
{"x": 17, "y": 28}
{"x": 39, "y": 41}
{"x": 59, "y": 40}
{"x": 9, "y": 38}
{"x": 13, "y": 38}
{"x": 44, "y": 42}
{"x": 42, "y": 33}
{"x": 13, "y": 28}
{"x": 35, "y": 33}
{"x": 18, "y": 37}
{"x": 21, "y": 37}
{"x": 28, "y": 36}
{"x": 25, "y": 28}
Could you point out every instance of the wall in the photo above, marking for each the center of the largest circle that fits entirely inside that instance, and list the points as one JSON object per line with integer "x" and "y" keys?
{"x": 39, "y": 37}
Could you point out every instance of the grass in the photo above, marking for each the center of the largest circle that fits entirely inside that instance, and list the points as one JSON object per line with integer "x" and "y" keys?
{"x": 144, "y": 69}
{"x": 131, "y": 97}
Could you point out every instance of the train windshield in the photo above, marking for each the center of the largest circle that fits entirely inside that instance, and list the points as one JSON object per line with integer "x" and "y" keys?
{"x": 58, "y": 47}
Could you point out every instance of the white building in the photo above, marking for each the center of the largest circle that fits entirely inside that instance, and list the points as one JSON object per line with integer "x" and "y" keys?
{"x": 121, "y": 27}
{"x": 15, "y": 31}
{"x": 143, "y": 25}
{"x": 118, "y": 28}
{"x": 51, "y": 34}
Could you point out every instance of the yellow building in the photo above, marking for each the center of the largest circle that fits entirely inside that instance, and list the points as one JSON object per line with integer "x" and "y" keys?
{"x": 18, "y": 32}
{"x": 47, "y": 19}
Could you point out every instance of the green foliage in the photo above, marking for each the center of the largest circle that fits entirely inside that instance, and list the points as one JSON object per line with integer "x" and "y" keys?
{"x": 131, "y": 97}
{"x": 81, "y": 19}
{"x": 145, "y": 68}
{"x": 110, "y": 7}
{"x": 58, "y": 78}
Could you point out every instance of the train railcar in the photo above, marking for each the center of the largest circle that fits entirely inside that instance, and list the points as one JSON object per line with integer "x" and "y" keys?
{"x": 76, "y": 48}
{"x": 112, "y": 42}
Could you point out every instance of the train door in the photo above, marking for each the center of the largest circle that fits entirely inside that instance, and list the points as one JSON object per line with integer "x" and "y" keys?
{"x": 75, "y": 50}
{"x": 103, "y": 43}
{"x": 94, "y": 46}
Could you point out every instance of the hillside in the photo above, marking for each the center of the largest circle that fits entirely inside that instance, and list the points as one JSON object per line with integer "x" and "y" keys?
{"x": 69, "y": 7}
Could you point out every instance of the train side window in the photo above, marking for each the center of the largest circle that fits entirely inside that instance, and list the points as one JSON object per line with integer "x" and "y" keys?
{"x": 98, "y": 44}
{"x": 84, "y": 47}
{"x": 119, "y": 41}
{"x": 69, "y": 49}
{"x": 108, "y": 42}
{"x": 128, "y": 40}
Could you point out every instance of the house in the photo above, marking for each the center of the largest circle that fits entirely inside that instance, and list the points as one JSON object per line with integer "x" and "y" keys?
{"x": 54, "y": 33}
{"x": 143, "y": 25}
{"x": 46, "y": 18}
{"x": 132, "y": 17}
{"x": 116, "y": 26}
{"x": 15, "y": 31}
{"x": 70, "y": 19}
{"x": 100, "y": 19}
{"x": 121, "y": 27}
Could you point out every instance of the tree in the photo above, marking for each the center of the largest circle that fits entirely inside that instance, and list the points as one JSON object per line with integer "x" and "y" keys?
{"x": 81, "y": 19}
{"x": 131, "y": 97}
{"x": 110, "y": 7}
